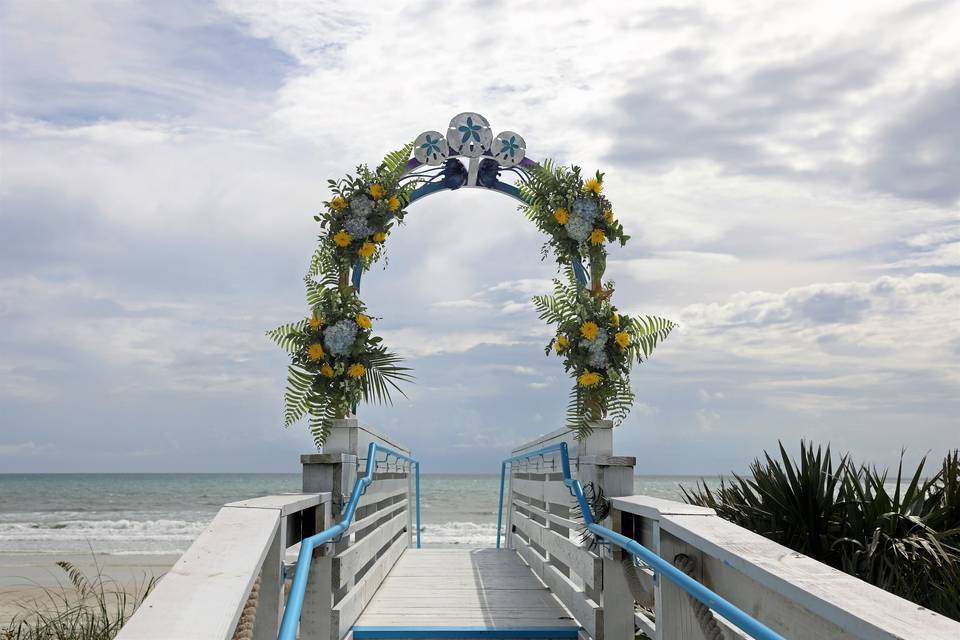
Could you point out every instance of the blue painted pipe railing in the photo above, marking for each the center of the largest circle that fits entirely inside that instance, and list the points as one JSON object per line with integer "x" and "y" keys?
{"x": 291, "y": 614}
{"x": 661, "y": 567}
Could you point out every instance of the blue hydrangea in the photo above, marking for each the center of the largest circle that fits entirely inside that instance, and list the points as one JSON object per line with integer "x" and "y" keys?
{"x": 361, "y": 206}
{"x": 339, "y": 337}
{"x": 357, "y": 227}
{"x": 598, "y": 360}
{"x": 586, "y": 208}
{"x": 578, "y": 228}
{"x": 597, "y": 350}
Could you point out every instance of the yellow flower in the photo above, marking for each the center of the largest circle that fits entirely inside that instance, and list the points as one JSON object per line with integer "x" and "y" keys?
{"x": 315, "y": 351}
{"x": 342, "y": 238}
{"x": 393, "y": 203}
{"x": 367, "y": 249}
{"x": 356, "y": 370}
{"x": 597, "y": 237}
{"x": 364, "y": 321}
{"x": 608, "y": 215}
{"x": 593, "y": 185}
{"x": 338, "y": 203}
{"x": 314, "y": 322}
{"x": 379, "y": 236}
{"x": 589, "y": 379}
{"x": 561, "y": 343}
{"x": 327, "y": 371}
{"x": 561, "y": 215}
{"x": 615, "y": 319}
{"x": 589, "y": 330}
{"x": 622, "y": 339}
{"x": 376, "y": 191}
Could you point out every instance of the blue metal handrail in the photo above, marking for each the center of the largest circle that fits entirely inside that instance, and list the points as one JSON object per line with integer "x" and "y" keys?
{"x": 291, "y": 614}
{"x": 728, "y": 610}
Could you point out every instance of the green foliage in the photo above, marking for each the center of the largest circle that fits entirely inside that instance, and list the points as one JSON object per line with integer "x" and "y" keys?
{"x": 905, "y": 539}
{"x": 324, "y": 381}
{"x": 547, "y": 189}
{"x": 375, "y": 197}
{"x": 87, "y": 608}
{"x": 599, "y": 347}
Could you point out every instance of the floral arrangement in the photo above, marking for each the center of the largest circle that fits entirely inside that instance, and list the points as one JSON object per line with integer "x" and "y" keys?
{"x": 599, "y": 345}
{"x": 573, "y": 211}
{"x": 363, "y": 210}
{"x": 336, "y": 360}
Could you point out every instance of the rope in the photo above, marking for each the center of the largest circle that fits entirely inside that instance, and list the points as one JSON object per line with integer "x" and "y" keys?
{"x": 708, "y": 622}
{"x": 630, "y": 569}
{"x": 244, "y": 630}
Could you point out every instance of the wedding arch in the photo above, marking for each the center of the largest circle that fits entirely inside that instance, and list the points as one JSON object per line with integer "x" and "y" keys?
{"x": 336, "y": 359}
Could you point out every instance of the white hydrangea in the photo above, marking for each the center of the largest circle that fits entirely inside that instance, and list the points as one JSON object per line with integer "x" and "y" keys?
{"x": 578, "y": 228}
{"x": 361, "y": 206}
{"x": 586, "y": 208}
{"x": 357, "y": 227}
{"x": 598, "y": 359}
{"x": 339, "y": 337}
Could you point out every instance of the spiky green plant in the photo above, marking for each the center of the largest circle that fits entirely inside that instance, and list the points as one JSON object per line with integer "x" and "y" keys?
{"x": 87, "y": 608}
{"x": 905, "y": 539}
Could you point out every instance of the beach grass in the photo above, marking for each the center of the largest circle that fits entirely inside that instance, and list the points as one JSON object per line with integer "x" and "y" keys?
{"x": 82, "y": 607}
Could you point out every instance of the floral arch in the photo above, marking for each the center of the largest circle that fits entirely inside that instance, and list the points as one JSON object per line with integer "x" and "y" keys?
{"x": 336, "y": 359}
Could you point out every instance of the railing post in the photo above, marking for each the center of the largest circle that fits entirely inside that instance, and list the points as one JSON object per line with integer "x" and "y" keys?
{"x": 270, "y": 601}
{"x": 614, "y": 476}
{"x": 335, "y": 605}
{"x": 315, "y": 620}
{"x": 334, "y": 471}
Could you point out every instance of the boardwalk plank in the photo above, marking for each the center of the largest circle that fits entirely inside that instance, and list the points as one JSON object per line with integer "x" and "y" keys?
{"x": 486, "y": 588}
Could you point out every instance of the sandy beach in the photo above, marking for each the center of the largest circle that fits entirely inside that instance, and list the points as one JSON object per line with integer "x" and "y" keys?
{"x": 23, "y": 576}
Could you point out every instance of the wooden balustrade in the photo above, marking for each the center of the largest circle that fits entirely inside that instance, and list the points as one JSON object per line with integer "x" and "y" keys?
{"x": 799, "y": 597}
{"x": 542, "y": 528}
{"x": 346, "y": 575}
{"x": 205, "y": 593}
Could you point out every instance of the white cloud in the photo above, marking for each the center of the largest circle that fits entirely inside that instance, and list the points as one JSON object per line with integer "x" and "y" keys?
{"x": 163, "y": 165}
{"x": 24, "y": 449}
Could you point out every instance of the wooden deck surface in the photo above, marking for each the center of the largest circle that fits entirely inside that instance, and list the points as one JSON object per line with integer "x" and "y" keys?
{"x": 478, "y": 588}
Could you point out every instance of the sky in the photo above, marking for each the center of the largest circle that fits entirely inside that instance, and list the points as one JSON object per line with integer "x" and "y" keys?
{"x": 789, "y": 174}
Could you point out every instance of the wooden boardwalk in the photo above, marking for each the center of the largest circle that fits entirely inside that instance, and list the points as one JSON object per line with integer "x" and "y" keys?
{"x": 480, "y": 592}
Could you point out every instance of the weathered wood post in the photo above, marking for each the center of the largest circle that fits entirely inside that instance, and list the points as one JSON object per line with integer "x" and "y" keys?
{"x": 614, "y": 476}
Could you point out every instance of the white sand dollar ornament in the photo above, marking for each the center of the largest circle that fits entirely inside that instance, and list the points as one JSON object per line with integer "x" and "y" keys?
{"x": 431, "y": 148}
{"x": 509, "y": 148}
{"x": 469, "y": 134}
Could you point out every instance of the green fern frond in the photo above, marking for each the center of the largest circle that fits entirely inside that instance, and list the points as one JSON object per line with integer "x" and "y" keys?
{"x": 647, "y": 332}
{"x": 394, "y": 163}
{"x": 285, "y": 336}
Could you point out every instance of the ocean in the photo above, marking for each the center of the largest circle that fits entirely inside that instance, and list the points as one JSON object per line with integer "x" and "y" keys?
{"x": 142, "y": 514}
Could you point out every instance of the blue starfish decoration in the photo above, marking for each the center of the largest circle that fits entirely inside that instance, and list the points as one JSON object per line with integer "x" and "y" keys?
{"x": 511, "y": 146}
{"x": 432, "y": 146}
{"x": 469, "y": 130}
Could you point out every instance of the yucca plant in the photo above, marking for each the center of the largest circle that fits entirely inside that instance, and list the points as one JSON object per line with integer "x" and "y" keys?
{"x": 794, "y": 503}
{"x": 904, "y": 538}
{"x": 87, "y": 608}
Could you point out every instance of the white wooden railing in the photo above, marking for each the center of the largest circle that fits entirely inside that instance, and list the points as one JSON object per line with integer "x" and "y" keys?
{"x": 207, "y": 593}
{"x": 611, "y": 598}
{"x": 796, "y": 595}
{"x": 541, "y": 527}
{"x": 346, "y": 575}
{"x": 230, "y": 584}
